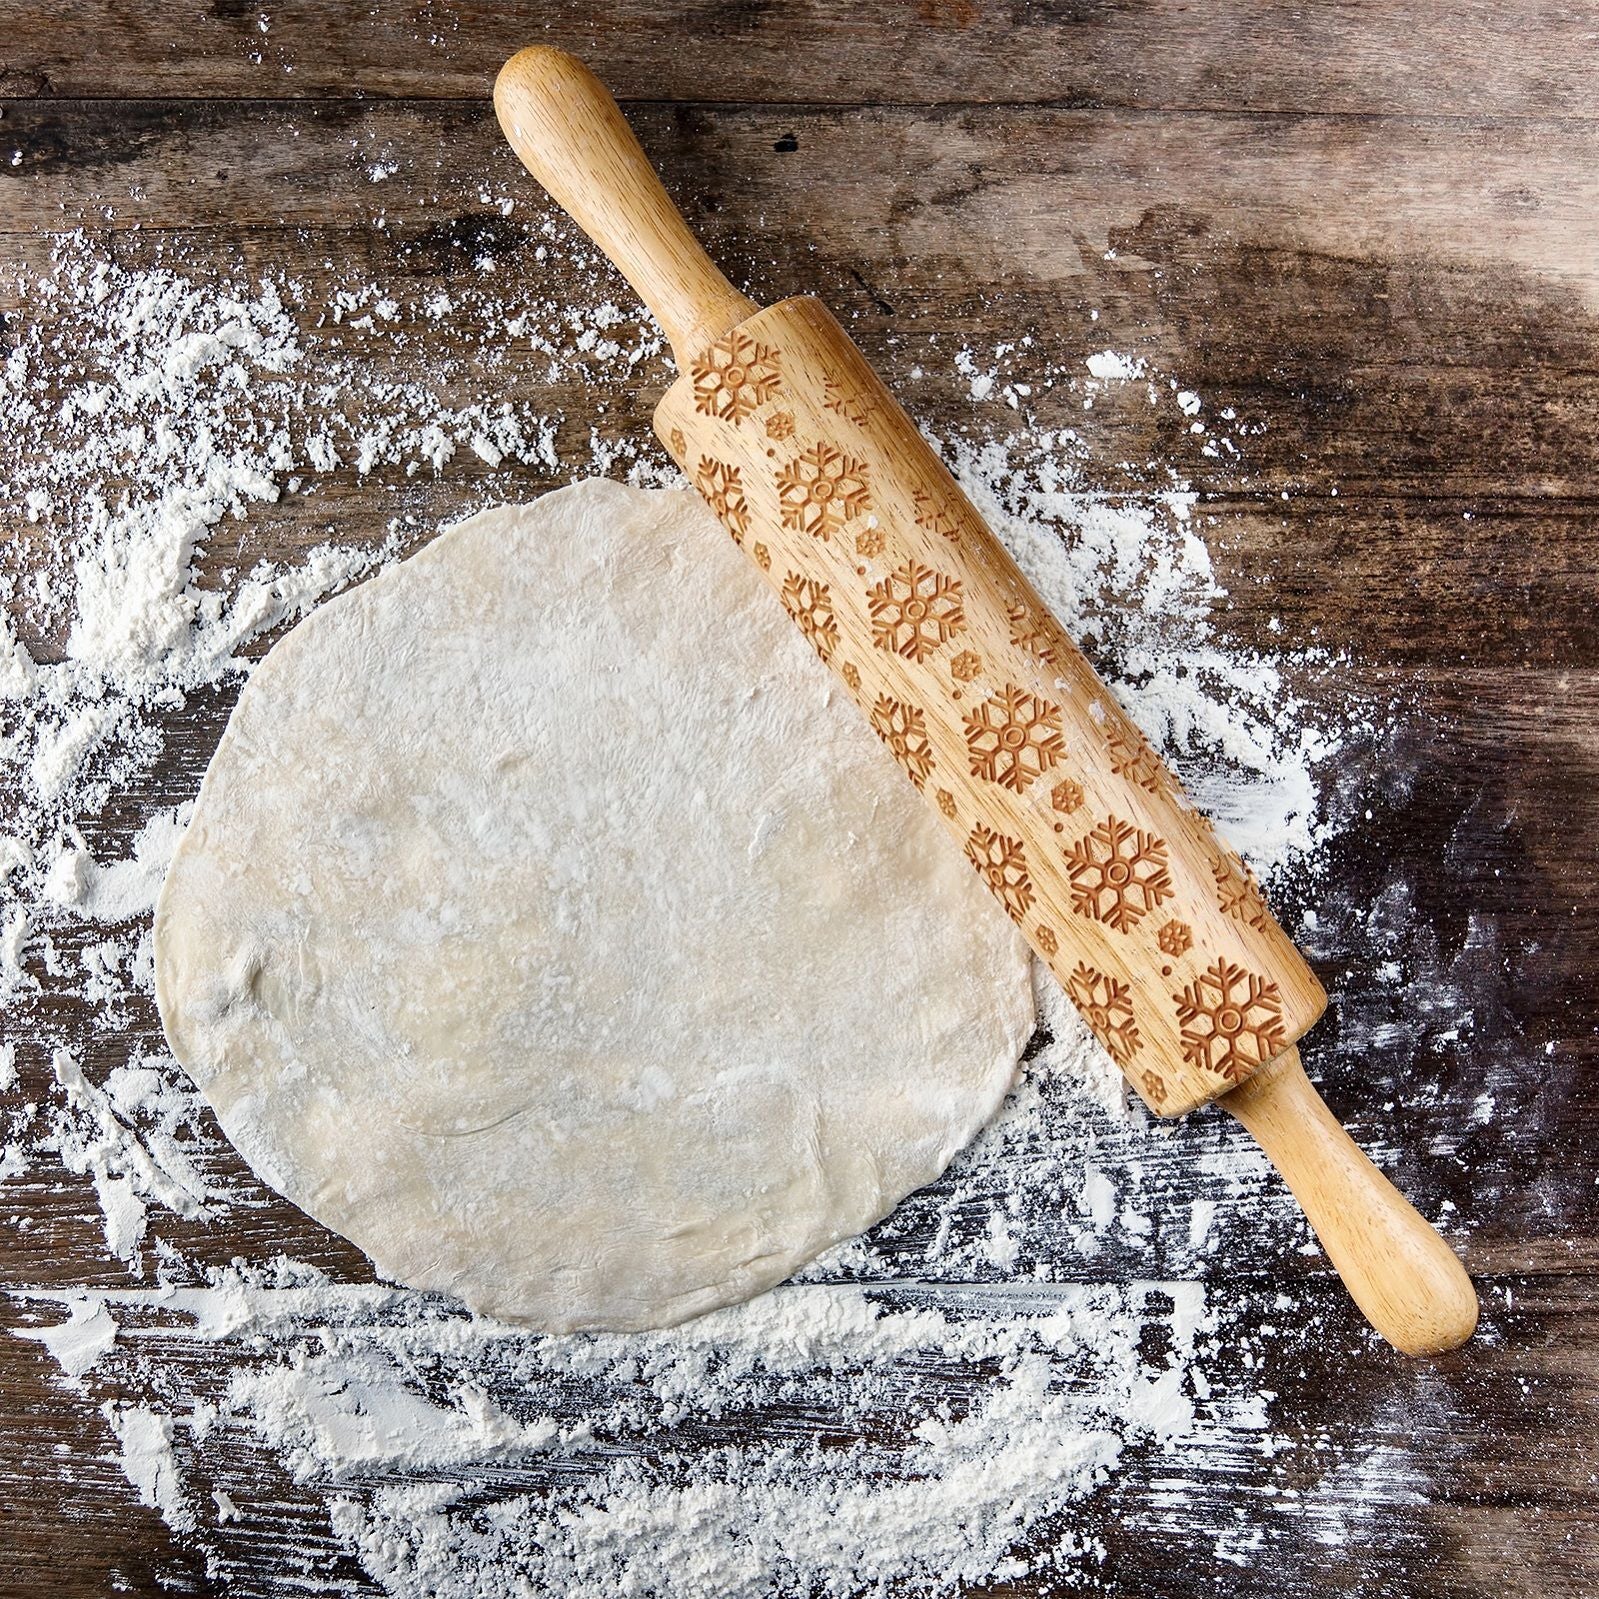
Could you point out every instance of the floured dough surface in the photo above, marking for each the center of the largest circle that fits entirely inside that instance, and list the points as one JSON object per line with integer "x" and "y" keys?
{"x": 552, "y": 928}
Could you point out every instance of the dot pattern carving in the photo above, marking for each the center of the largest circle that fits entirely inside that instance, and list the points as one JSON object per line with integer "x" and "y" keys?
{"x": 914, "y": 610}
{"x": 1231, "y": 1020}
{"x": 1119, "y": 873}
{"x": 1108, "y": 1009}
{"x": 734, "y": 376}
{"x": 977, "y": 692}
{"x": 724, "y": 493}
{"x": 1001, "y": 864}
{"x": 903, "y": 729}
{"x": 810, "y": 603}
{"x": 821, "y": 490}
{"x": 1014, "y": 738}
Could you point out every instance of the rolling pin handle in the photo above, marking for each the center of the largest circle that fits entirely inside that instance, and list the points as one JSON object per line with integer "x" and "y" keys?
{"x": 1407, "y": 1281}
{"x": 563, "y": 123}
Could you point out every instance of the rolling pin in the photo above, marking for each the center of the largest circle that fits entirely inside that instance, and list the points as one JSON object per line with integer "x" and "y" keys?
{"x": 1155, "y": 928}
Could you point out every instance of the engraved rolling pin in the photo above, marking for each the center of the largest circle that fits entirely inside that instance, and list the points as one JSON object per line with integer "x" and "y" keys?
{"x": 1153, "y": 925}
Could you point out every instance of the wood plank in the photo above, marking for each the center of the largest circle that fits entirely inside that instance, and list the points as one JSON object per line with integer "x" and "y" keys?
{"x": 1506, "y": 1502}
{"x": 1157, "y": 55}
{"x": 1019, "y": 196}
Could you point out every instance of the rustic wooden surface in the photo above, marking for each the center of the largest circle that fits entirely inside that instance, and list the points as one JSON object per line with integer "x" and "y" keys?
{"x": 1372, "y": 226}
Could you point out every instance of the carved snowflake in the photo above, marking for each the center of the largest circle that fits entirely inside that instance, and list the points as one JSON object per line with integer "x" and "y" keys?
{"x": 724, "y": 493}
{"x": 1231, "y": 1021}
{"x": 1175, "y": 938}
{"x": 1154, "y": 1087}
{"x": 904, "y": 729}
{"x": 735, "y": 375}
{"x": 1030, "y": 631}
{"x": 763, "y": 557}
{"x": 811, "y": 606}
{"x": 822, "y": 490}
{"x": 1132, "y": 757}
{"x": 914, "y": 610}
{"x": 1238, "y": 893}
{"x": 780, "y": 425}
{"x": 851, "y": 674}
{"x": 1066, "y": 796}
{"x": 1002, "y": 865}
{"x": 845, "y": 397}
{"x": 1014, "y": 738}
{"x": 678, "y": 442}
{"x": 1045, "y": 938}
{"x": 946, "y": 803}
{"x": 966, "y": 666}
{"x": 1108, "y": 1009}
{"x": 870, "y": 543}
{"x": 936, "y": 515}
{"x": 1118, "y": 873}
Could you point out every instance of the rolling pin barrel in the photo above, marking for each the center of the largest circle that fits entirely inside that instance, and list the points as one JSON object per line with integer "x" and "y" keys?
{"x": 1154, "y": 927}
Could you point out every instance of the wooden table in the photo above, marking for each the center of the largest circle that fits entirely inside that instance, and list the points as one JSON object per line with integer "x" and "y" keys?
{"x": 1371, "y": 228}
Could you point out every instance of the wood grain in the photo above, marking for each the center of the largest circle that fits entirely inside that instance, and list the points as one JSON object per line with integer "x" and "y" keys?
{"x": 1369, "y": 231}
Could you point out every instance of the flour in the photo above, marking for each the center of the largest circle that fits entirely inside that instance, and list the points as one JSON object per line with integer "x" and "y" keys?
{"x": 958, "y": 1427}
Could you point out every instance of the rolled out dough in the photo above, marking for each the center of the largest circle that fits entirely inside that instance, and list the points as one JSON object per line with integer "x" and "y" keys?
{"x": 551, "y": 927}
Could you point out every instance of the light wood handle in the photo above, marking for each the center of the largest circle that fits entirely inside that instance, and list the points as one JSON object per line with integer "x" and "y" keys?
{"x": 570, "y": 135}
{"x": 1405, "y": 1278}
{"x": 1152, "y": 924}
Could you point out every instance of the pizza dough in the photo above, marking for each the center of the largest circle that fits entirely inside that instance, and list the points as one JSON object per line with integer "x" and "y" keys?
{"x": 550, "y": 926}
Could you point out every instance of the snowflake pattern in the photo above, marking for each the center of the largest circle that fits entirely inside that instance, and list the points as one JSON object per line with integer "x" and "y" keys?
{"x": 846, "y": 398}
{"x": 904, "y": 729}
{"x": 780, "y": 425}
{"x": 724, "y": 493}
{"x": 1014, "y": 738}
{"x": 1238, "y": 893}
{"x": 1066, "y": 796}
{"x": 821, "y": 490}
{"x": 1046, "y": 940}
{"x": 1002, "y": 865}
{"x": 1133, "y": 757}
{"x": 1175, "y": 938}
{"x": 1231, "y": 1021}
{"x": 966, "y": 666}
{"x": 946, "y": 803}
{"x": 1108, "y": 1010}
{"x": 678, "y": 442}
{"x": 870, "y": 543}
{"x": 811, "y": 606}
{"x": 1154, "y": 1087}
{"x": 735, "y": 375}
{"x": 851, "y": 674}
{"x": 936, "y": 516}
{"x": 1029, "y": 631}
{"x": 1119, "y": 874}
{"x": 763, "y": 557}
{"x": 915, "y": 610}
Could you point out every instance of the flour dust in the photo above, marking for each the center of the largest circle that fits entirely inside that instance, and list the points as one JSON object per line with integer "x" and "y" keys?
{"x": 949, "y": 1428}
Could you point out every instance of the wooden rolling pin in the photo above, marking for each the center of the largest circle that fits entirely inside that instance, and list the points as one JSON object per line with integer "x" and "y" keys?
{"x": 1153, "y": 925}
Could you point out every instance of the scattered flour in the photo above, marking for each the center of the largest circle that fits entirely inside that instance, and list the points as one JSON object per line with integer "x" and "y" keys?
{"x": 828, "y": 1439}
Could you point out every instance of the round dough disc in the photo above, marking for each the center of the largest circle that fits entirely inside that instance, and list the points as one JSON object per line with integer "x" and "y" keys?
{"x": 553, "y": 928}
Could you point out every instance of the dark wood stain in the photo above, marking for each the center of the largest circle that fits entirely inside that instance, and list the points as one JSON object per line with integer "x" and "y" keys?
{"x": 1448, "y": 395}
